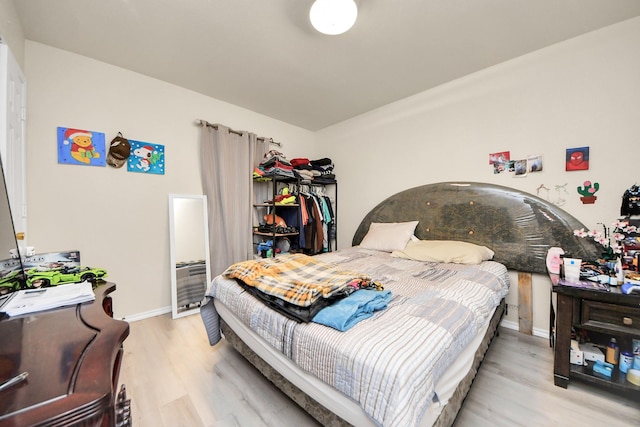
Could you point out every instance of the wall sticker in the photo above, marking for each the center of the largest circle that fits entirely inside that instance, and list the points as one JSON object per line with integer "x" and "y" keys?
{"x": 577, "y": 159}
{"x": 81, "y": 147}
{"x": 588, "y": 192}
{"x": 146, "y": 158}
{"x": 500, "y": 161}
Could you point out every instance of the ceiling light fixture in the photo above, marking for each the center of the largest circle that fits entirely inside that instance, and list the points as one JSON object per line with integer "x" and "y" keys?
{"x": 333, "y": 16}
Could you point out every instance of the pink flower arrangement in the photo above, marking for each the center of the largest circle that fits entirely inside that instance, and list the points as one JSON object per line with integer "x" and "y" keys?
{"x": 610, "y": 241}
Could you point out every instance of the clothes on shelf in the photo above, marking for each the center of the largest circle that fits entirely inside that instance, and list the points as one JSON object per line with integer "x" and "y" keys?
{"x": 274, "y": 163}
{"x": 314, "y": 216}
{"x": 320, "y": 170}
{"x": 323, "y": 170}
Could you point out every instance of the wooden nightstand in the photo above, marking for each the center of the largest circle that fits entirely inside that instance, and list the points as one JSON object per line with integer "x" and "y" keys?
{"x": 602, "y": 315}
{"x": 73, "y": 357}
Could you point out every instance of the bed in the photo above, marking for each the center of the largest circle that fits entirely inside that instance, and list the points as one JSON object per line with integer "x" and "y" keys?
{"x": 353, "y": 377}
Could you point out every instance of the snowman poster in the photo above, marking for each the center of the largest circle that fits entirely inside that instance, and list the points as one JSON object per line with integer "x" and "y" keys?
{"x": 146, "y": 158}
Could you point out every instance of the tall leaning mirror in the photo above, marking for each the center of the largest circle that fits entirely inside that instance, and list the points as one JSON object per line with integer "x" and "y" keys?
{"x": 188, "y": 237}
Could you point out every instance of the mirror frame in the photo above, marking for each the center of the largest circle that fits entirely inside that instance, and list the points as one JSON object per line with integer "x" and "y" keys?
{"x": 172, "y": 247}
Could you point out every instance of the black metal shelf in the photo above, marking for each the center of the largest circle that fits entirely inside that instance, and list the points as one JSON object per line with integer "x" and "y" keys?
{"x": 273, "y": 207}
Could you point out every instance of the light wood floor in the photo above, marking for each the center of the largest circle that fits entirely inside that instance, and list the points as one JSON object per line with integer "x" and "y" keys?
{"x": 175, "y": 378}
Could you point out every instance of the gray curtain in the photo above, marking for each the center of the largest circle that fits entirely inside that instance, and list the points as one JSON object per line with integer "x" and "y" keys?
{"x": 228, "y": 159}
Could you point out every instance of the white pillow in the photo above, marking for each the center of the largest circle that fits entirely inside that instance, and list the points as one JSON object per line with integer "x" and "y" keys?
{"x": 388, "y": 236}
{"x": 445, "y": 251}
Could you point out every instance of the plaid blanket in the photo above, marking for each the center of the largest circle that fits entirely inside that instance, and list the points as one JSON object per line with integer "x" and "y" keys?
{"x": 298, "y": 279}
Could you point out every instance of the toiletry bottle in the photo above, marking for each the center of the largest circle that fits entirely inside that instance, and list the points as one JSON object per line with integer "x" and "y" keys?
{"x": 619, "y": 272}
{"x": 626, "y": 361}
{"x": 612, "y": 352}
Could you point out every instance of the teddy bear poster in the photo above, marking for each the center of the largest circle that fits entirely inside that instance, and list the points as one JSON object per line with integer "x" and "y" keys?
{"x": 81, "y": 147}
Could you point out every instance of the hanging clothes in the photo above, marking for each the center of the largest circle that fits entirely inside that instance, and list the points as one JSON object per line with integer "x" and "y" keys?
{"x": 331, "y": 225}
{"x": 313, "y": 230}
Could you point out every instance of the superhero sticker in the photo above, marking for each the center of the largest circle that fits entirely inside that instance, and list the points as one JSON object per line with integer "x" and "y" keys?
{"x": 81, "y": 147}
{"x": 577, "y": 159}
{"x": 146, "y": 158}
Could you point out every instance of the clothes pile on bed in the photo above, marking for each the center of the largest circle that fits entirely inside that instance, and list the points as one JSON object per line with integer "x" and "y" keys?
{"x": 392, "y": 363}
{"x": 304, "y": 288}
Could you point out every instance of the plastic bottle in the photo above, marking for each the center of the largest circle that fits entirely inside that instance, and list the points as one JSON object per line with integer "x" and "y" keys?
{"x": 612, "y": 352}
{"x": 626, "y": 361}
{"x": 619, "y": 272}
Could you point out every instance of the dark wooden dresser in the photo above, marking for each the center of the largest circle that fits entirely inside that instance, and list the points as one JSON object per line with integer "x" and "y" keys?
{"x": 72, "y": 356}
{"x": 600, "y": 315}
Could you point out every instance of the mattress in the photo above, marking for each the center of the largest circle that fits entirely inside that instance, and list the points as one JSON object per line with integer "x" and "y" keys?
{"x": 396, "y": 375}
{"x": 329, "y": 397}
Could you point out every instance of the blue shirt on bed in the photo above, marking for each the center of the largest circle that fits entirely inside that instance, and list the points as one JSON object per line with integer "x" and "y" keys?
{"x": 348, "y": 311}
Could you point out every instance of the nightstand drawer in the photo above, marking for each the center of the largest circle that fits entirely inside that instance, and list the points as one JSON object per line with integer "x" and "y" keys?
{"x": 619, "y": 317}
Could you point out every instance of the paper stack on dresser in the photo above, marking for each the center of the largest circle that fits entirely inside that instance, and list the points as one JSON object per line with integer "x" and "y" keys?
{"x": 33, "y": 300}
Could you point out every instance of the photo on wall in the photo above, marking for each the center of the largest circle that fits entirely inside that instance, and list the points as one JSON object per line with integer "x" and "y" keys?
{"x": 146, "y": 158}
{"x": 500, "y": 161}
{"x": 534, "y": 163}
{"x": 520, "y": 168}
{"x": 577, "y": 159}
{"x": 81, "y": 147}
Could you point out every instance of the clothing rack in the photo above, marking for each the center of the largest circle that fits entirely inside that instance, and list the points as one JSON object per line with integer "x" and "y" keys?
{"x": 238, "y": 132}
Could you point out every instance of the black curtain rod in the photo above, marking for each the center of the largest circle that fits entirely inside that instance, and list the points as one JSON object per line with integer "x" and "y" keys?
{"x": 237, "y": 132}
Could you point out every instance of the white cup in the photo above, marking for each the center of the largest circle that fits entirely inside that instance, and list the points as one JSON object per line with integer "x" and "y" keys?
{"x": 572, "y": 269}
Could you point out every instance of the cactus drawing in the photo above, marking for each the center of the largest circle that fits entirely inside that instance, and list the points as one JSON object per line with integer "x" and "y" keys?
{"x": 588, "y": 191}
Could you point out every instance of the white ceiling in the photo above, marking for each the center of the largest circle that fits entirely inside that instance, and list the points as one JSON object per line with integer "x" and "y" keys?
{"x": 265, "y": 56}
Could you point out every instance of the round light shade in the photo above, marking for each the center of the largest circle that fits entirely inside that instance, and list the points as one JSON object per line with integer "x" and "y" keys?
{"x": 333, "y": 16}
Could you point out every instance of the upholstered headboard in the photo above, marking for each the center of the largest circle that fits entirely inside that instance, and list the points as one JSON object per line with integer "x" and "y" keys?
{"x": 517, "y": 226}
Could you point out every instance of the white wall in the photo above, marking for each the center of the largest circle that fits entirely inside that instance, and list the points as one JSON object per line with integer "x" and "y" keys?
{"x": 119, "y": 220}
{"x": 583, "y": 92}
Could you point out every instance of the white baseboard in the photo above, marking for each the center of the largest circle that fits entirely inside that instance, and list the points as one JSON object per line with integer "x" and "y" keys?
{"x": 537, "y": 332}
{"x": 147, "y": 314}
